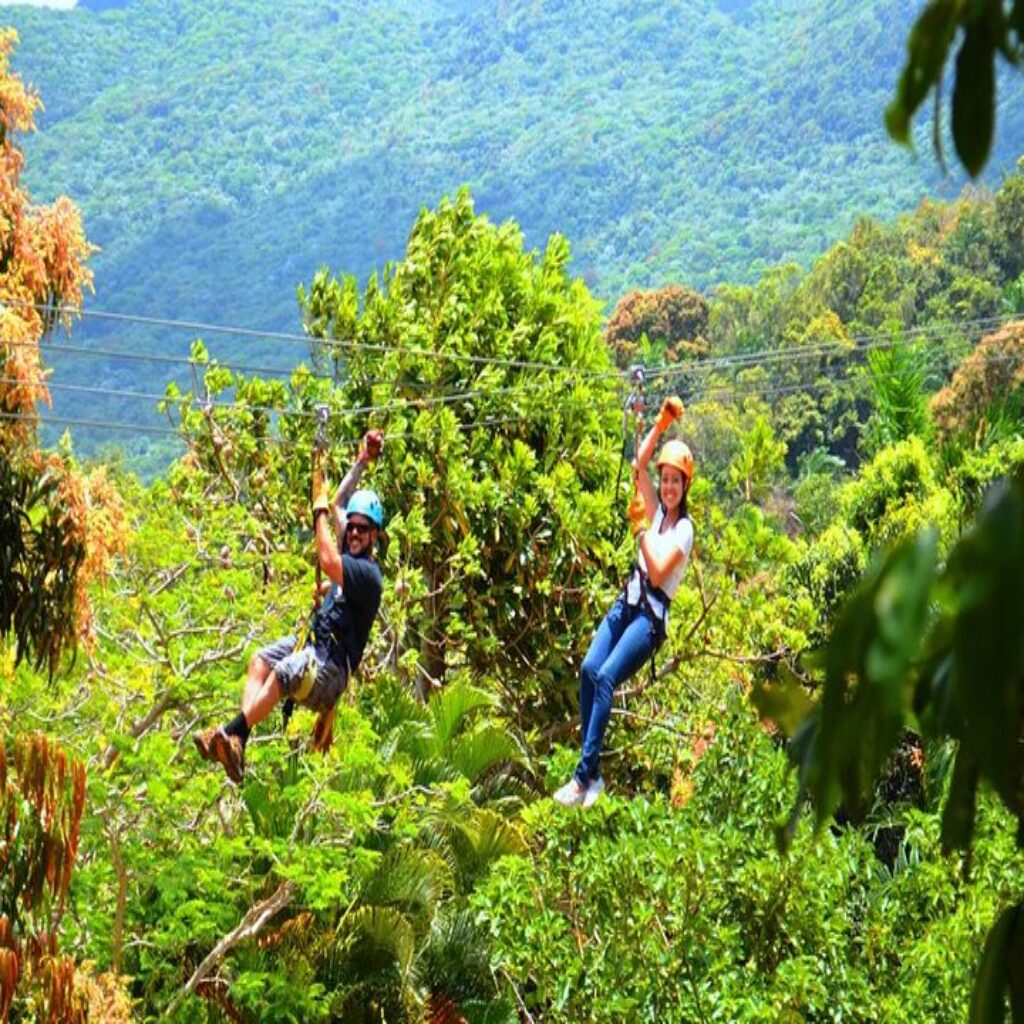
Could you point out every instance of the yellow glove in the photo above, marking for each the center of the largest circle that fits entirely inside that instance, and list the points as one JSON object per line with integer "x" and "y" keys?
{"x": 671, "y": 409}
{"x": 637, "y": 513}
{"x": 321, "y": 492}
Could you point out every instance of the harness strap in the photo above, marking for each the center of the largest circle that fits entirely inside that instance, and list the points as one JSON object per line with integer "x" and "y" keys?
{"x": 658, "y": 611}
{"x": 305, "y": 687}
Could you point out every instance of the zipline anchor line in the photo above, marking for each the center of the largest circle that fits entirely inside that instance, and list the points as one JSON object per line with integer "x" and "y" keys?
{"x": 634, "y": 408}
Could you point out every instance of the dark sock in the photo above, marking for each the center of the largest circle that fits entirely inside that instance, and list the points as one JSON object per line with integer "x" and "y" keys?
{"x": 239, "y": 727}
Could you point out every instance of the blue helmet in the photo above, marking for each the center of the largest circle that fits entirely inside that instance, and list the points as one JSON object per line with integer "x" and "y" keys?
{"x": 366, "y": 503}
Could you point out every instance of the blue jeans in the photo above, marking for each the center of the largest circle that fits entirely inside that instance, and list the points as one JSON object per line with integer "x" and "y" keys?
{"x": 623, "y": 642}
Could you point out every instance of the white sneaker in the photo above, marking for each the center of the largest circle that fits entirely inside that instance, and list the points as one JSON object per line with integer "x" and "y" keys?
{"x": 594, "y": 790}
{"x": 572, "y": 794}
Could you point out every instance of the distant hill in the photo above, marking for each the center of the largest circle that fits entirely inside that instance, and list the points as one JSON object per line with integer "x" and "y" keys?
{"x": 221, "y": 152}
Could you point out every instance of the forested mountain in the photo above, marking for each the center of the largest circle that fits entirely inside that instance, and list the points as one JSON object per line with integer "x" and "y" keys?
{"x": 220, "y": 153}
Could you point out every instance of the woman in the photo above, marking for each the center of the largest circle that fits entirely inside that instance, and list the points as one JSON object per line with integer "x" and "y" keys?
{"x": 636, "y": 624}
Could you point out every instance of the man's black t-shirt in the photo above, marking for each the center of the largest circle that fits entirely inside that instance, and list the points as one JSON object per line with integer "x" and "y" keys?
{"x": 343, "y": 621}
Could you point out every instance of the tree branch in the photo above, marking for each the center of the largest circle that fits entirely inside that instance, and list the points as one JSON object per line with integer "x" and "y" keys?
{"x": 250, "y": 926}
{"x": 169, "y": 577}
{"x": 121, "y": 872}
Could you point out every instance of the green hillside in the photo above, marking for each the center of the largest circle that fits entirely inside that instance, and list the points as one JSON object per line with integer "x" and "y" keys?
{"x": 221, "y": 153}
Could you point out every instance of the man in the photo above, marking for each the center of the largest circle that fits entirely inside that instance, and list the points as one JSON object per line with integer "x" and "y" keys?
{"x": 316, "y": 674}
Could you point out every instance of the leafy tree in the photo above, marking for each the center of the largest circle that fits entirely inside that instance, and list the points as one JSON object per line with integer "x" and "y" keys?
{"x": 42, "y": 796}
{"x": 828, "y": 569}
{"x": 987, "y": 387}
{"x": 759, "y": 461}
{"x": 897, "y": 376}
{"x": 896, "y": 494}
{"x": 815, "y": 490}
{"x": 502, "y": 512}
{"x": 58, "y": 527}
{"x": 958, "y": 673}
{"x": 673, "y": 320}
{"x": 1009, "y": 224}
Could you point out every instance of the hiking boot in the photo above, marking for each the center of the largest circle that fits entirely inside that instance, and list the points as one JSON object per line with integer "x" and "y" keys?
{"x": 204, "y": 743}
{"x": 228, "y": 750}
{"x": 571, "y": 794}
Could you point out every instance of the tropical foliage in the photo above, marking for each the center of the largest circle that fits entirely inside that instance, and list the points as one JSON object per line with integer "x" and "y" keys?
{"x": 983, "y": 35}
{"x": 58, "y": 527}
{"x": 419, "y": 872}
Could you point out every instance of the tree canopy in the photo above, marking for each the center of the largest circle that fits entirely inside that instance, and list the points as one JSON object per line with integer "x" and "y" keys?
{"x": 58, "y": 527}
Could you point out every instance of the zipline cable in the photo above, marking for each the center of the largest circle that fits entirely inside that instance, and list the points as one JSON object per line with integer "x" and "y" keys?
{"x": 736, "y": 391}
{"x": 399, "y": 404}
{"x": 837, "y": 348}
{"x": 936, "y": 332}
{"x": 444, "y": 399}
{"x": 762, "y": 357}
{"x": 306, "y": 339}
{"x": 193, "y": 364}
{"x": 946, "y": 328}
{"x": 286, "y": 443}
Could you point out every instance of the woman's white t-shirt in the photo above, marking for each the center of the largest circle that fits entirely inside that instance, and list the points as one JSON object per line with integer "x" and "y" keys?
{"x": 679, "y": 536}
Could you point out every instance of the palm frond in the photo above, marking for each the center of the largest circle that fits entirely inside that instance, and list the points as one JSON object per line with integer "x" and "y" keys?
{"x": 475, "y": 752}
{"x": 372, "y": 940}
{"x": 410, "y": 878}
{"x": 450, "y": 708}
{"x": 479, "y": 838}
{"x": 493, "y": 836}
{"x": 455, "y": 959}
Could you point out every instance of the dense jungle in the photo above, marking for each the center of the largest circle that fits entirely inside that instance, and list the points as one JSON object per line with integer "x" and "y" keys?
{"x": 814, "y": 802}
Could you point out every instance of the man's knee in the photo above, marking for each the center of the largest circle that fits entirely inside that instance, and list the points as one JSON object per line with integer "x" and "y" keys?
{"x": 258, "y": 668}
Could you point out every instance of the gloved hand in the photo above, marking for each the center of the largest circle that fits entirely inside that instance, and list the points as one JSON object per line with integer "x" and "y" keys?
{"x": 321, "y": 492}
{"x": 373, "y": 441}
{"x": 637, "y": 513}
{"x": 671, "y": 409}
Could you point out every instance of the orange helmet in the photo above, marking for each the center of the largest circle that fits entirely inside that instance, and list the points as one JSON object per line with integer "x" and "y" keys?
{"x": 678, "y": 455}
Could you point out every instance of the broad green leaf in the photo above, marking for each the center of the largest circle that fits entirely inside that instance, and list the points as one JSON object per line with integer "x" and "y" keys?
{"x": 958, "y": 814}
{"x": 988, "y": 997}
{"x": 986, "y": 572}
{"x": 868, "y": 684}
{"x": 927, "y": 47}
{"x": 974, "y": 96}
{"x": 786, "y": 703}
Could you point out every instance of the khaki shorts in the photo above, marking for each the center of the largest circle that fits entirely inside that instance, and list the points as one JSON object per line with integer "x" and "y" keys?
{"x": 290, "y": 667}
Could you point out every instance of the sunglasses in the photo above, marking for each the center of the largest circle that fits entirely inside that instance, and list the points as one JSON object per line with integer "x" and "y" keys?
{"x": 361, "y": 529}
